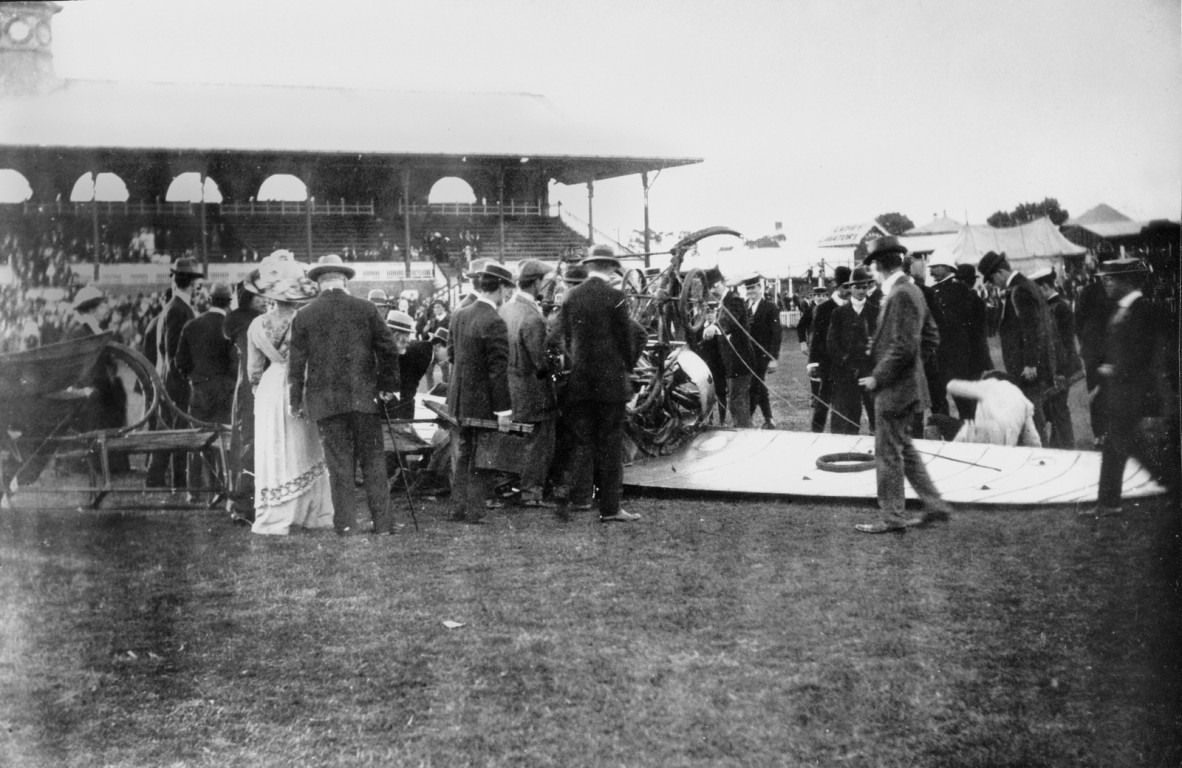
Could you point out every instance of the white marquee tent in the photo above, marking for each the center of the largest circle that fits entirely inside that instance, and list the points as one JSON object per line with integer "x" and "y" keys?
{"x": 1029, "y": 247}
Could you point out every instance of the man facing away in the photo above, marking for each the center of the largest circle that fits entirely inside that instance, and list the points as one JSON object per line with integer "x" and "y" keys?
{"x": 597, "y": 334}
{"x": 478, "y": 342}
{"x": 343, "y": 359}
{"x": 1025, "y": 330}
{"x": 964, "y": 347}
{"x": 186, "y": 278}
{"x": 900, "y": 390}
{"x": 531, "y": 390}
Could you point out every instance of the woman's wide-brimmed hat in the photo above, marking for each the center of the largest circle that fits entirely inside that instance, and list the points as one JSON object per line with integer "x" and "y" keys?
{"x": 281, "y": 278}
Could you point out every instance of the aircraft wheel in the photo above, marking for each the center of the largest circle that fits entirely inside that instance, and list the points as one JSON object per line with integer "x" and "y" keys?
{"x": 846, "y": 462}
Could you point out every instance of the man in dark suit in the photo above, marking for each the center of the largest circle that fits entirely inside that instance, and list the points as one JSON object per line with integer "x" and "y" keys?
{"x": 238, "y": 320}
{"x": 766, "y": 334}
{"x": 186, "y": 278}
{"x": 597, "y": 334}
{"x": 819, "y": 365}
{"x": 343, "y": 359}
{"x": 204, "y": 357}
{"x": 531, "y": 390}
{"x": 1135, "y": 374}
{"x": 1055, "y": 406}
{"x": 729, "y": 333}
{"x": 850, "y": 330}
{"x": 1025, "y": 330}
{"x": 964, "y": 347}
{"x": 478, "y": 346}
{"x": 900, "y": 389}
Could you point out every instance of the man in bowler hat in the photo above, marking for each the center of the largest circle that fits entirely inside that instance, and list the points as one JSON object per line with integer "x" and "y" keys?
{"x": 343, "y": 361}
{"x": 900, "y": 390}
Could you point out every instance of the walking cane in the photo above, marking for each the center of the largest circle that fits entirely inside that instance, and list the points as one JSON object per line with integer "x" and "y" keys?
{"x": 401, "y": 468}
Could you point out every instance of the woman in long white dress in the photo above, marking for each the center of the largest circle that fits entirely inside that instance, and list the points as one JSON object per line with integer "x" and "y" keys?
{"x": 291, "y": 479}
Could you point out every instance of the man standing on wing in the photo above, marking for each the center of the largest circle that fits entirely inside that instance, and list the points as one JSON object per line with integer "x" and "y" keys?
{"x": 900, "y": 391}
{"x": 343, "y": 359}
{"x": 478, "y": 342}
{"x": 531, "y": 390}
{"x": 597, "y": 334}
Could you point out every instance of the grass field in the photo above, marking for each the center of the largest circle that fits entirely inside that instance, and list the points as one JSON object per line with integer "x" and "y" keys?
{"x": 713, "y": 632}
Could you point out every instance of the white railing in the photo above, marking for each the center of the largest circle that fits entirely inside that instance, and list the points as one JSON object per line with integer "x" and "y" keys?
{"x": 250, "y": 208}
{"x": 511, "y": 208}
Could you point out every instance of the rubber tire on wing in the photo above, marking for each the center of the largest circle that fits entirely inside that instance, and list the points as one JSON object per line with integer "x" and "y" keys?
{"x": 845, "y": 462}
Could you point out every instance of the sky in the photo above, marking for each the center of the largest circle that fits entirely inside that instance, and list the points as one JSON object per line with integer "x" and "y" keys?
{"x": 813, "y": 113}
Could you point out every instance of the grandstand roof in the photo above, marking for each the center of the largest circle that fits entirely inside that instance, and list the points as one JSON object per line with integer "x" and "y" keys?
{"x": 91, "y": 114}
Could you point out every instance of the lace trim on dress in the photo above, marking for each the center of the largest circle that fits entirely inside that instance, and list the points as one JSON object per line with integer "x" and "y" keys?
{"x": 271, "y": 497}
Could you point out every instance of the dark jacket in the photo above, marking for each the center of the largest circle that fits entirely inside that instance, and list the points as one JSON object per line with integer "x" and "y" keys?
{"x": 342, "y": 355}
{"x": 173, "y": 318}
{"x": 412, "y": 366}
{"x": 738, "y": 354}
{"x": 897, "y": 350}
{"x": 1025, "y": 332}
{"x": 1135, "y": 345}
{"x": 601, "y": 342}
{"x": 818, "y": 341}
{"x": 849, "y": 338}
{"x": 1063, "y": 327}
{"x": 530, "y": 386}
{"x": 478, "y": 345}
{"x": 766, "y": 333}
{"x": 964, "y": 345}
{"x": 204, "y": 353}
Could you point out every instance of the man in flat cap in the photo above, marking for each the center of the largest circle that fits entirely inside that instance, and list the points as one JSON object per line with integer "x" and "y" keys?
{"x": 900, "y": 390}
{"x": 478, "y": 344}
{"x": 343, "y": 360}
{"x": 531, "y": 388}
{"x": 597, "y": 334}
{"x": 186, "y": 279}
{"x": 1027, "y": 350}
{"x": 1138, "y": 378}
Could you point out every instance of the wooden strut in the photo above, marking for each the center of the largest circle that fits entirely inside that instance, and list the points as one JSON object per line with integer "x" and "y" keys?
{"x": 492, "y": 424}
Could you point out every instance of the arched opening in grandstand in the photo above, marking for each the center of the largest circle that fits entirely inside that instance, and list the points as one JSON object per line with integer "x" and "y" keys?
{"x": 14, "y": 187}
{"x": 107, "y": 187}
{"x": 451, "y": 189}
{"x": 283, "y": 186}
{"x": 187, "y": 188}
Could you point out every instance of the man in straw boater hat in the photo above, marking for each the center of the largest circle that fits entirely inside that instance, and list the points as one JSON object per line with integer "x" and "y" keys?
{"x": 186, "y": 278}
{"x": 478, "y": 343}
{"x": 531, "y": 388}
{"x": 900, "y": 390}
{"x": 343, "y": 361}
{"x": 1138, "y": 376}
{"x": 600, "y": 339}
{"x": 851, "y": 327}
{"x": 1027, "y": 351}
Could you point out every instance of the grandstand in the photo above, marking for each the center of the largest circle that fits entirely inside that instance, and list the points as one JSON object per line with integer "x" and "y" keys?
{"x": 368, "y": 161}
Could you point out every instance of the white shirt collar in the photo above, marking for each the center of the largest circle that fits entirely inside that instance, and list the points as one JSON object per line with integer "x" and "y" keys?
{"x": 523, "y": 296}
{"x": 1010, "y": 279}
{"x": 1128, "y": 299}
{"x": 219, "y": 310}
{"x": 486, "y": 300}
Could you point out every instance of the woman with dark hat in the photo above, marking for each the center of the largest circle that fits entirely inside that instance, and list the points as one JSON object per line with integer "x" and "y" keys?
{"x": 291, "y": 479}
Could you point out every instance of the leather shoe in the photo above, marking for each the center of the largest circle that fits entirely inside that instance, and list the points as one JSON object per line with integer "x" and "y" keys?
{"x": 935, "y": 516}
{"x": 537, "y": 504}
{"x": 882, "y": 527}
{"x": 619, "y": 517}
